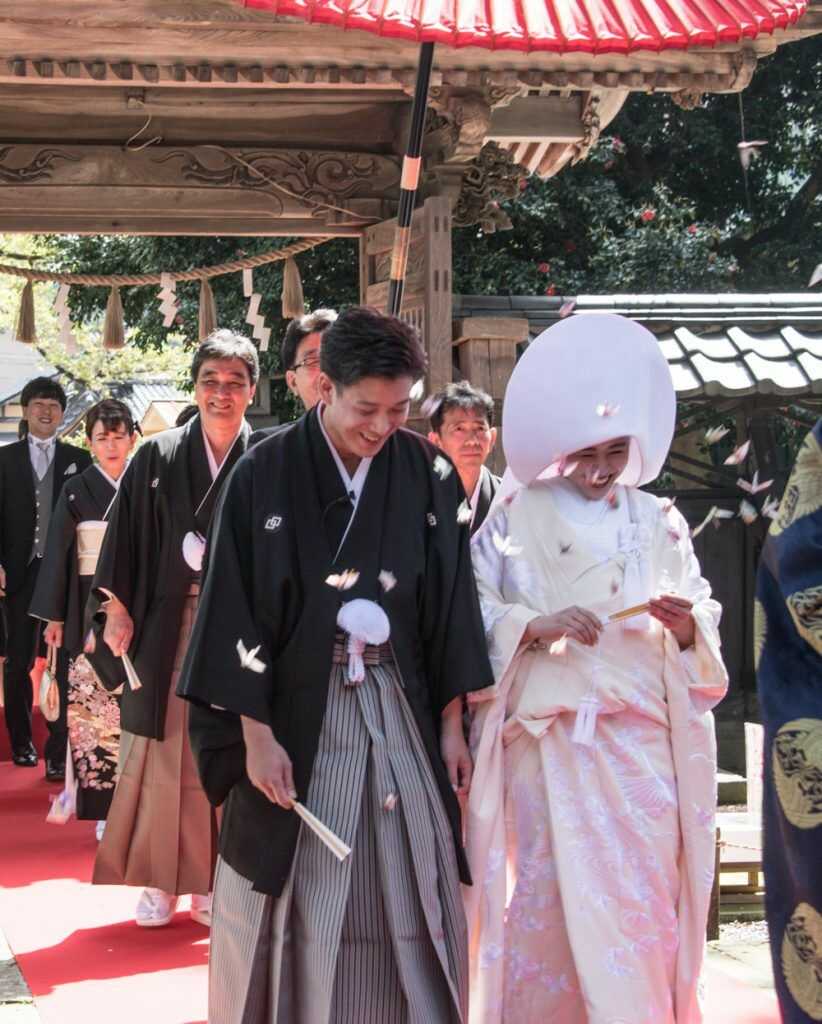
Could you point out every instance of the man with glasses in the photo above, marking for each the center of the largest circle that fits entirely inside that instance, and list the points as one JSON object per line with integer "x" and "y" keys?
{"x": 32, "y": 474}
{"x": 300, "y": 354}
{"x": 462, "y": 425}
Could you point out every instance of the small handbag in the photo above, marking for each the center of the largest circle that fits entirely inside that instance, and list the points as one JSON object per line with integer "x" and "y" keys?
{"x": 49, "y": 694}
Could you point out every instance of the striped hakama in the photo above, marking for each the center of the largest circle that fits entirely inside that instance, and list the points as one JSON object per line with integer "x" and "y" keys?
{"x": 161, "y": 830}
{"x": 379, "y": 938}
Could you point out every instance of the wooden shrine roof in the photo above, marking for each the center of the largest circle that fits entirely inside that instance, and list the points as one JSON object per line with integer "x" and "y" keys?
{"x": 718, "y": 346}
{"x": 174, "y": 116}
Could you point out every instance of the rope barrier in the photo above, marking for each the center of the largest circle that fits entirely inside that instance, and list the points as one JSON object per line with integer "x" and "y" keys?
{"x": 197, "y": 274}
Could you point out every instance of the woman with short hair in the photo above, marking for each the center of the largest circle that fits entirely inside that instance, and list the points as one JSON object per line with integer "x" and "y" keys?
{"x": 76, "y": 533}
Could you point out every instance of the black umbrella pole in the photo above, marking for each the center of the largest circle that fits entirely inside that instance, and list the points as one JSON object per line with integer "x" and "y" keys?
{"x": 411, "y": 167}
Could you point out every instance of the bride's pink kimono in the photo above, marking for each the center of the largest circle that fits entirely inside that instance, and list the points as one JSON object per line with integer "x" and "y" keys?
{"x": 592, "y": 864}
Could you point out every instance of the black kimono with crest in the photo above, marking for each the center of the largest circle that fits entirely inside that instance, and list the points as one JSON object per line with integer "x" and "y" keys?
{"x": 166, "y": 493}
{"x": 61, "y": 593}
{"x": 272, "y": 548}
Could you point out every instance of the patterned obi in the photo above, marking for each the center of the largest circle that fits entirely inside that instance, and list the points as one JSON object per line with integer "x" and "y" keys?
{"x": 89, "y": 542}
{"x": 372, "y": 654}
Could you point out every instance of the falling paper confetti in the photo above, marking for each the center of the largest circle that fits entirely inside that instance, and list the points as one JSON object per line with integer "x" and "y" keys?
{"x": 606, "y": 409}
{"x": 715, "y": 434}
{"x": 564, "y": 467}
{"x": 567, "y": 308}
{"x": 714, "y": 515}
{"x": 614, "y": 586}
{"x": 770, "y": 507}
{"x": 442, "y": 467}
{"x": 754, "y": 486}
{"x": 749, "y": 151}
{"x": 558, "y": 646}
{"x": 738, "y": 455}
{"x": 613, "y": 499}
{"x": 464, "y": 513}
{"x": 667, "y": 505}
{"x": 390, "y": 802}
{"x": 430, "y": 406}
{"x": 816, "y": 276}
{"x": 506, "y": 546}
{"x": 674, "y": 534}
{"x": 249, "y": 659}
{"x": 387, "y": 580}
{"x": 565, "y": 547}
{"x": 747, "y": 512}
{"x": 344, "y": 580}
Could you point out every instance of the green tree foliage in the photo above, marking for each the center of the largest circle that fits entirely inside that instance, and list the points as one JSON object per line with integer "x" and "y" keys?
{"x": 661, "y": 205}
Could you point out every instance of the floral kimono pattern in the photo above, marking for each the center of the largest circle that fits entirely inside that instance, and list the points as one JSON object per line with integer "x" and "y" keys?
{"x": 593, "y": 862}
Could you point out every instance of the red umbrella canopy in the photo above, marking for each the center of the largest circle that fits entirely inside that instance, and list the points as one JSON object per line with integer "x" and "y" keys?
{"x": 557, "y": 26}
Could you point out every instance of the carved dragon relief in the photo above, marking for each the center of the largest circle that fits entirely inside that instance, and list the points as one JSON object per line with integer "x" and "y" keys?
{"x": 38, "y": 167}
{"x": 490, "y": 177}
{"x": 314, "y": 177}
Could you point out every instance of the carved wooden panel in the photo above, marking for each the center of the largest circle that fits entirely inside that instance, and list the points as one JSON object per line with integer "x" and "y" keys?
{"x": 198, "y": 189}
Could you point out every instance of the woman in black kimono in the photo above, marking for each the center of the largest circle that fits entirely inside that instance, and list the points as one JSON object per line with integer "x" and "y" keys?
{"x": 161, "y": 831}
{"x": 75, "y": 535}
{"x": 338, "y": 631}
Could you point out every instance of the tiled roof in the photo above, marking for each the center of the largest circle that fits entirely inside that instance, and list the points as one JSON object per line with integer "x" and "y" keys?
{"x": 717, "y": 345}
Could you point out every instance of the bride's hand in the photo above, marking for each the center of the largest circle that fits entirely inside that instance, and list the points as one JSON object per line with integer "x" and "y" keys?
{"x": 576, "y": 623}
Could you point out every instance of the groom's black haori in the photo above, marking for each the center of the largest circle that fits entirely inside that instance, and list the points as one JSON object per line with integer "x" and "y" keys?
{"x": 281, "y": 518}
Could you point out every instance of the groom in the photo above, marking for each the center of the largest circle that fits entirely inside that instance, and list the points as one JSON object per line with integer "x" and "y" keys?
{"x": 32, "y": 473}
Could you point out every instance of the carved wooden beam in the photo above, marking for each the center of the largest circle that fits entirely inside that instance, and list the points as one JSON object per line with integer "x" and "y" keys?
{"x": 194, "y": 190}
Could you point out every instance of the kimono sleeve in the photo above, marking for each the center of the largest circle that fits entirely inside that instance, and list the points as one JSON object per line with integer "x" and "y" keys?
{"x": 456, "y": 650}
{"x": 50, "y": 599}
{"x": 505, "y": 622}
{"x": 794, "y": 547}
{"x": 703, "y": 664}
{"x": 228, "y": 665}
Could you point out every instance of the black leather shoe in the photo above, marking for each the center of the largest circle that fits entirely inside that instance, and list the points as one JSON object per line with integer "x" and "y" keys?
{"x": 25, "y": 756}
{"x": 55, "y": 772}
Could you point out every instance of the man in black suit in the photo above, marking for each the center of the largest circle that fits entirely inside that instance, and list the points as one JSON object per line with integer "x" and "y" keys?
{"x": 462, "y": 425}
{"x": 32, "y": 473}
{"x": 300, "y": 359}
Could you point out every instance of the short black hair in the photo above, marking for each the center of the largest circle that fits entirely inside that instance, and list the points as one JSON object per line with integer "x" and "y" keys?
{"x": 188, "y": 412}
{"x": 225, "y": 344}
{"x": 363, "y": 342}
{"x": 460, "y": 394}
{"x": 299, "y": 329}
{"x": 43, "y": 387}
{"x": 112, "y": 413}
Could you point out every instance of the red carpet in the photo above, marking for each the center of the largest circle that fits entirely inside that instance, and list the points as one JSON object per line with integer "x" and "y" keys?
{"x": 84, "y": 958}
{"x": 77, "y": 945}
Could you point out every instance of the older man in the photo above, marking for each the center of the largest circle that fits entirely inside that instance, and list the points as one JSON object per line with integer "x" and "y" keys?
{"x": 32, "y": 474}
{"x": 462, "y": 425}
{"x": 161, "y": 828}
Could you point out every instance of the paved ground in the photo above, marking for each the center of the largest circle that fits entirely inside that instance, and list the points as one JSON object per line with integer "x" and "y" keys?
{"x": 741, "y": 953}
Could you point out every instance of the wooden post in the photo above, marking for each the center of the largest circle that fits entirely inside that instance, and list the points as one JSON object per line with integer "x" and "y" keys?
{"x": 427, "y": 300}
{"x": 713, "y": 908}
{"x": 486, "y": 348}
